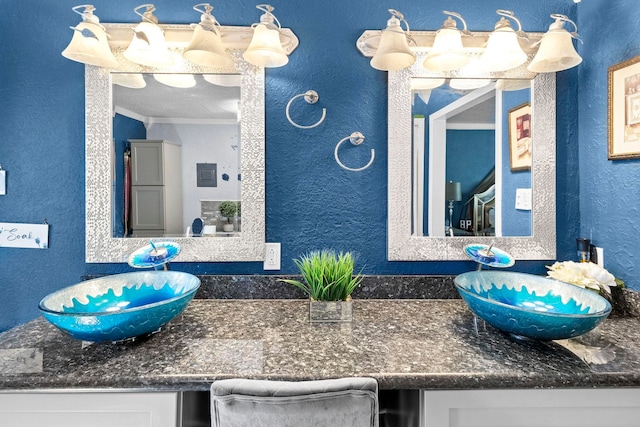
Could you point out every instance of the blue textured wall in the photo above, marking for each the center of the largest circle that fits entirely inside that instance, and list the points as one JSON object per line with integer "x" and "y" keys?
{"x": 516, "y": 222}
{"x": 310, "y": 202}
{"x": 610, "y": 202}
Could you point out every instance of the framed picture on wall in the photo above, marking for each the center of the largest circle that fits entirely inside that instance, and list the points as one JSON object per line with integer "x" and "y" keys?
{"x": 520, "y": 137}
{"x": 624, "y": 110}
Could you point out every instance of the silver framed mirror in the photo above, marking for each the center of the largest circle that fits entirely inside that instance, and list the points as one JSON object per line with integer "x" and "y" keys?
{"x": 101, "y": 245}
{"x": 406, "y": 245}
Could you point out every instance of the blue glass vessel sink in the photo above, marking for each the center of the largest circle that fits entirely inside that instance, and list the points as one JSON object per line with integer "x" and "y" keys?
{"x": 121, "y": 306}
{"x": 532, "y": 306}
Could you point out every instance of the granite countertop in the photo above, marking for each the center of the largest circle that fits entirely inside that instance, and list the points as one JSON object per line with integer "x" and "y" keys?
{"x": 404, "y": 344}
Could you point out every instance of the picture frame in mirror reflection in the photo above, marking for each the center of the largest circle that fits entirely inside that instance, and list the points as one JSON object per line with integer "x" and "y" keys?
{"x": 520, "y": 141}
{"x": 624, "y": 110}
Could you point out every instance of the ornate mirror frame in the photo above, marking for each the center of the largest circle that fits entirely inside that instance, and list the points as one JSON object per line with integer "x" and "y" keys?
{"x": 402, "y": 245}
{"x": 101, "y": 246}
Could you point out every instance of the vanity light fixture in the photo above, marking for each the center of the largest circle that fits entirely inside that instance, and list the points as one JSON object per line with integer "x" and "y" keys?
{"x": 164, "y": 47}
{"x": 89, "y": 44}
{"x": 393, "y": 52}
{"x": 503, "y": 51}
{"x": 448, "y": 53}
{"x": 206, "y": 46}
{"x": 265, "y": 49}
{"x": 556, "y": 51}
{"x": 148, "y": 46}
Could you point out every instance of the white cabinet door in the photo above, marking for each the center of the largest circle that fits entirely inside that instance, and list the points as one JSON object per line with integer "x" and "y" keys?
{"x": 84, "y": 409}
{"x": 147, "y": 163}
{"x": 147, "y": 207}
{"x": 531, "y": 408}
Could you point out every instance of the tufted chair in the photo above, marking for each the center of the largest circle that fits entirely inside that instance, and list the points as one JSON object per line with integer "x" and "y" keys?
{"x": 343, "y": 402}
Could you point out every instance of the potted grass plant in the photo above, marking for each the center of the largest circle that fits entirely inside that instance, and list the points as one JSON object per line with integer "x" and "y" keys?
{"x": 228, "y": 209}
{"x": 328, "y": 280}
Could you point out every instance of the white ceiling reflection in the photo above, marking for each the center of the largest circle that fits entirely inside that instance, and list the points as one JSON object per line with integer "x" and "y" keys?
{"x": 211, "y": 100}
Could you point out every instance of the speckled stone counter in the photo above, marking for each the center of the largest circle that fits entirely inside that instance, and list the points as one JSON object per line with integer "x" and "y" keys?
{"x": 404, "y": 344}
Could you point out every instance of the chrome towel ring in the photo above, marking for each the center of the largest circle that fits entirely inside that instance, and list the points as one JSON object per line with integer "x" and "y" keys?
{"x": 356, "y": 138}
{"x": 311, "y": 96}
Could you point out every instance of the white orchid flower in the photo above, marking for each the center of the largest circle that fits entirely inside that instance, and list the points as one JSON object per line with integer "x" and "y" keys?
{"x": 583, "y": 274}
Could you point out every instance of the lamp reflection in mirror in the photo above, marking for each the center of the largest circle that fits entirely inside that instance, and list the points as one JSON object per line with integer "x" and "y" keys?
{"x": 503, "y": 51}
{"x": 393, "y": 52}
{"x": 89, "y": 44}
{"x": 453, "y": 193}
{"x": 468, "y": 84}
{"x": 265, "y": 49}
{"x": 226, "y": 80}
{"x": 509, "y": 85}
{"x": 129, "y": 80}
{"x": 423, "y": 87}
{"x": 448, "y": 52}
{"x": 206, "y": 46}
{"x": 181, "y": 81}
{"x": 556, "y": 51}
{"x": 148, "y": 46}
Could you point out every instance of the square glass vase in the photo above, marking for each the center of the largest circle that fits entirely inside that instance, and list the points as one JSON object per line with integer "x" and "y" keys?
{"x": 330, "y": 311}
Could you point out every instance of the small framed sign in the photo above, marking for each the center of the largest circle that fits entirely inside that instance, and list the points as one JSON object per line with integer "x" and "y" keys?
{"x": 31, "y": 236}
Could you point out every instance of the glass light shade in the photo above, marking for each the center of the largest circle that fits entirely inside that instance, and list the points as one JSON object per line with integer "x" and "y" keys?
{"x": 88, "y": 49}
{"x": 447, "y": 53}
{"x": 206, "y": 49}
{"x": 130, "y": 80}
{"x": 265, "y": 49}
{"x": 393, "y": 52}
{"x": 556, "y": 53}
{"x": 176, "y": 80}
{"x": 503, "y": 51}
{"x": 151, "y": 52}
{"x": 468, "y": 84}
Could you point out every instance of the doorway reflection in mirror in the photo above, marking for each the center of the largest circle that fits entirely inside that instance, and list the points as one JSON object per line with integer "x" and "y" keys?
{"x": 465, "y": 137}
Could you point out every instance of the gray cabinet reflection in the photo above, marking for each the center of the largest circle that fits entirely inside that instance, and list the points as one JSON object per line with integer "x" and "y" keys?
{"x": 461, "y": 138}
{"x": 200, "y": 124}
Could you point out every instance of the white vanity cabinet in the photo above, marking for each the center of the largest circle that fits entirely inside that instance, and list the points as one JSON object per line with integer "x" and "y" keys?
{"x": 86, "y": 408}
{"x": 156, "y": 188}
{"x": 530, "y": 408}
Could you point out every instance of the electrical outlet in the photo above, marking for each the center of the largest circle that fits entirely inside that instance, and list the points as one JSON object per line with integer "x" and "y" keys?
{"x": 523, "y": 199}
{"x": 272, "y": 256}
{"x": 600, "y": 256}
